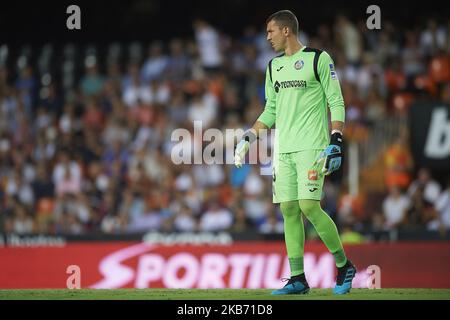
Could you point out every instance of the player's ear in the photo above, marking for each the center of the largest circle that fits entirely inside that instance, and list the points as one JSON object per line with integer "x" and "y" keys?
{"x": 286, "y": 31}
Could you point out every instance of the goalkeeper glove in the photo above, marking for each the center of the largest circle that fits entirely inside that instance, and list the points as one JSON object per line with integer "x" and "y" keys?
{"x": 330, "y": 159}
{"x": 242, "y": 148}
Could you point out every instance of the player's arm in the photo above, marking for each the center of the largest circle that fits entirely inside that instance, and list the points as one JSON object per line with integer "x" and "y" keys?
{"x": 265, "y": 121}
{"x": 267, "y": 117}
{"x": 331, "y": 158}
{"x": 332, "y": 89}
{"x": 337, "y": 126}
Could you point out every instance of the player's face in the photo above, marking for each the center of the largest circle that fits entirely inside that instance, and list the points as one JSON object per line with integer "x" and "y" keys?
{"x": 275, "y": 36}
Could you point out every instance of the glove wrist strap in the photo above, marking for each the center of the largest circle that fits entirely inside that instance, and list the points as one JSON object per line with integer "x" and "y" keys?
{"x": 336, "y": 130}
{"x": 336, "y": 138}
{"x": 249, "y": 136}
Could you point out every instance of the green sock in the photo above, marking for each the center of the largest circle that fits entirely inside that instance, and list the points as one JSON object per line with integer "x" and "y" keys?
{"x": 325, "y": 228}
{"x": 296, "y": 265}
{"x": 294, "y": 235}
{"x": 340, "y": 258}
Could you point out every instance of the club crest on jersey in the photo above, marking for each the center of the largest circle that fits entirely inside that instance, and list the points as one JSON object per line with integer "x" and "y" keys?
{"x": 299, "y": 64}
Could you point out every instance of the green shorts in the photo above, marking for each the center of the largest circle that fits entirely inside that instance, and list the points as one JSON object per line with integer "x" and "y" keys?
{"x": 293, "y": 176}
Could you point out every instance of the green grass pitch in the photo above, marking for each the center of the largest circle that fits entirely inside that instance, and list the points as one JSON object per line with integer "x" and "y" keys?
{"x": 221, "y": 294}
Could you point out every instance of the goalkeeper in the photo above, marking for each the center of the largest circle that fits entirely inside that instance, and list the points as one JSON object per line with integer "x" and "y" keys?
{"x": 300, "y": 83}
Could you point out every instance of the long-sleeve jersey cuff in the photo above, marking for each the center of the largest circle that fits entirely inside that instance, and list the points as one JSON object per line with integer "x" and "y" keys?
{"x": 267, "y": 118}
{"x": 337, "y": 113}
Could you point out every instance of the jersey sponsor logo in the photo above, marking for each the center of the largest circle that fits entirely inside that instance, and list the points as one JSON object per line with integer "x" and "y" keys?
{"x": 277, "y": 86}
{"x": 289, "y": 84}
{"x": 312, "y": 175}
{"x": 333, "y": 73}
{"x": 299, "y": 64}
{"x": 313, "y": 189}
{"x": 279, "y": 69}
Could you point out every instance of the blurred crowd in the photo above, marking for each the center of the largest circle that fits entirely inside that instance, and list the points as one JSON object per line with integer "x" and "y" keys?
{"x": 94, "y": 154}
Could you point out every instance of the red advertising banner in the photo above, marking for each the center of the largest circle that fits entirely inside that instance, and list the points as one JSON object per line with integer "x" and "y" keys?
{"x": 238, "y": 265}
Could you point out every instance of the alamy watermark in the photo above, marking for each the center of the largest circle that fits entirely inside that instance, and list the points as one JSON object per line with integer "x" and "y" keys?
{"x": 374, "y": 20}
{"x": 374, "y": 279}
{"x": 213, "y": 146}
{"x": 74, "y": 280}
{"x": 74, "y": 20}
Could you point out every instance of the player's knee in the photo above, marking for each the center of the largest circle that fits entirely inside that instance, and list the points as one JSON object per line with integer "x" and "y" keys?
{"x": 308, "y": 207}
{"x": 289, "y": 208}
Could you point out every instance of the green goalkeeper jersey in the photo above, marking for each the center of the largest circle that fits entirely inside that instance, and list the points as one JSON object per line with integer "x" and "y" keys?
{"x": 299, "y": 88}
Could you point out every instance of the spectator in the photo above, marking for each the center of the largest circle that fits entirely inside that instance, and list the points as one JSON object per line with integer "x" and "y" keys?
{"x": 68, "y": 183}
{"x": 92, "y": 83}
{"x": 26, "y": 84}
{"x": 208, "y": 43}
{"x": 203, "y": 108}
{"x": 185, "y": 220}
{"x": 272, "y": 224}
{"x": 178, "y": 66}
{"x": 71, "y": 204}
{"x": 155, "y": 65}
{"x": 22, "y": 222}
{"x": 432, "y": 38}
{"x": 422, "y": 211}
{"x": 395, "y": 207}
{"x": 17, "y": 187}
{"x": 43, "y": 186}
{"x": 439, "y": 68}
{"x": 65, "y": 162}
{"x": 398, "y": 162}
{"x": 442, "y": 222}
{"x": 147, "y": 220}
{"x": 412, "y": 58}
{"x": 350, "y": 209}
{"x": 136, "y": 93}
{"x": 349, "y": 39}
{"x": 178, "y": 110}
{"x": 115, "y": 224}
{"x": 430, "y": 188}
{"x": 69, "y": 224}
{"x": 216, "y": 218}
{"x": 375, "y": 109}
{"x": 241, "y": 223}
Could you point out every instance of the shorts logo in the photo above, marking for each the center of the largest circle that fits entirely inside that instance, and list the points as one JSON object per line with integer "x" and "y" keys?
{"x": 312, "y": 175}
{"x": 299, "y": 64}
